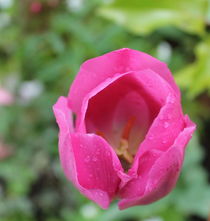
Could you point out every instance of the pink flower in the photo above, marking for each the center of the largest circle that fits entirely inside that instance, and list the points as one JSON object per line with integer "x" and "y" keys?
{"x": 6, "y": 97}
{"x": 36, "y": 7}
{"x": 5, "y": 151}
{"x": 130, "y": 133}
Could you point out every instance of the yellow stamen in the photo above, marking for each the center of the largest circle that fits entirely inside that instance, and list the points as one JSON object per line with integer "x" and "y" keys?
{"x": 122, "y": 151}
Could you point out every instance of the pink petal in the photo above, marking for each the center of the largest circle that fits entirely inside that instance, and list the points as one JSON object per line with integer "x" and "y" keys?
{"x": 97, "y": 164}
{"x": 95, "y": 71}
{"x": 162, "y": 176}
{"x": 6, "y": 98}
{"x": 64, "y": 119}
{"x": 88, "y": 161}
{"x": 161, "y": 135}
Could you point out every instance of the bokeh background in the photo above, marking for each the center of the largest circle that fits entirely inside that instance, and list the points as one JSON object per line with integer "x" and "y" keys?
{"x": 42, "y": 44}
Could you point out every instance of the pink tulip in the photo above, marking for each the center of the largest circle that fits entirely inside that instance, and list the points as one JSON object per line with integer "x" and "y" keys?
{"x": 6, "y": 97}
{"x": 130, "y": 133}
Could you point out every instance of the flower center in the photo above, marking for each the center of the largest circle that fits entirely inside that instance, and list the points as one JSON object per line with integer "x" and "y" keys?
{"x": 122, "y": 113}
{"x": 122, "y": 151}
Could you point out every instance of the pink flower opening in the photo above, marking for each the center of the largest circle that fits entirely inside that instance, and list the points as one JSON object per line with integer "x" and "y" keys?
{"x": 130, "y": 132}
{"x": 123, "y": 120}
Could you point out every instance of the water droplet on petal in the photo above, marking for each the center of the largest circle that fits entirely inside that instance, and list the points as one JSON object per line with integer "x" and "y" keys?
{"x": 151, "y": 138}
{"x": 87, "y": 159}
{"x": 172, "y": 100}
{"x": 98, "y": 152}
{"x": 166, "y": 124}
{"x": 95, "y": 159}
{"x": 164, "y": 141}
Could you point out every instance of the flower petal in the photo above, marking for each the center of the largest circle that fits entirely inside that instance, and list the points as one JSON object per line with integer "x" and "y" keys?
{"x": 88, "y": 161}
{"x": 95, "y": 167}
{"x": 64, "y": 119}
{"x": 162, "y": 176}
{"x": 164, "y": 130}
{"x": 97, "y": 70}
{"x": 97, "y": 164}
{"x": 6, "y": 98}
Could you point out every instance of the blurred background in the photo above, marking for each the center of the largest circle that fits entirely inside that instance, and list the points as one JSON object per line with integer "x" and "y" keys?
{"x": 42, "y": 45}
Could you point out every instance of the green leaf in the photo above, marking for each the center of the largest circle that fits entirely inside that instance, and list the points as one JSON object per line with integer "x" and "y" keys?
{"x": 145, "y": 16}
{"x": 195, "y": 78}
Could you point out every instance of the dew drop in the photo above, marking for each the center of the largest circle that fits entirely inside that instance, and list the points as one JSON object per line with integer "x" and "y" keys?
{"x": 94, "y": 159}
{"x": 87, "y": 159}
{"x": 172, "y": 100}
{"x": 151, "y": 137}
{"x": 164, "y": 141}
{"x": 166, "y": 124}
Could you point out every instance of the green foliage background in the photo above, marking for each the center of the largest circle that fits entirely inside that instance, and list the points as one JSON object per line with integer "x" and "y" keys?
{"x": 46, "y": 48}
